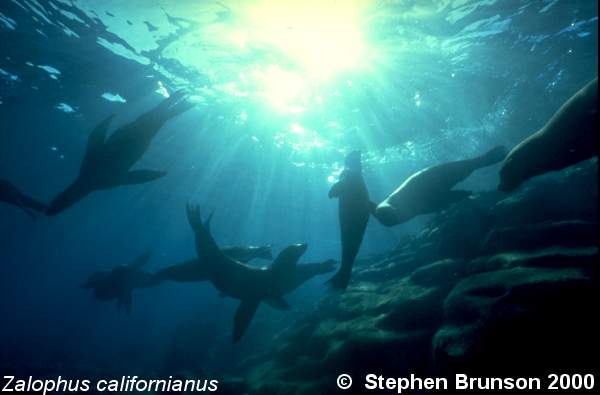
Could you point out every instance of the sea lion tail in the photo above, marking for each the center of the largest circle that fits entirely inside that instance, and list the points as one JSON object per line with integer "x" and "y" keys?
{"x": 339, "y": 281}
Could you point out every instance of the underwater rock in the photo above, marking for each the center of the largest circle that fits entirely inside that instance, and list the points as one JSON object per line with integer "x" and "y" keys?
{"x": 552, "y": 258}
{"x": 521, "y": 318}
{"x": 563, "y": 233}
{"x": 497, "y": 283}
{"x": 442, "y": 273}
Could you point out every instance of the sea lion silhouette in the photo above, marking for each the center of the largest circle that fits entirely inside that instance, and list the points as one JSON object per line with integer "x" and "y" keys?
{"x": 353, "y": 212}
{"x": 251, "y": 285}
{"x": 107, "y": 161}
{"x": 430, "y": 190}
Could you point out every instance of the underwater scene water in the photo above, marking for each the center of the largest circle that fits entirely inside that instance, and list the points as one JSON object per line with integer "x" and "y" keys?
{"x": 295, "y": 133}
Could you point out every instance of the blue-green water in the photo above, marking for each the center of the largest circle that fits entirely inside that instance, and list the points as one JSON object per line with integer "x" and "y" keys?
{"x": 282, "y": 91}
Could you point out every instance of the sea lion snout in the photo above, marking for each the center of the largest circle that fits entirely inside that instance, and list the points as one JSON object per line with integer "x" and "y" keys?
{"x": 300, "y": 248}
{"x": 294, "y": 251}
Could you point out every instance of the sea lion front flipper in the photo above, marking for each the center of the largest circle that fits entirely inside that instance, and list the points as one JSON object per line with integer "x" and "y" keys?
{"x": 142, "y": 176}
{"x": 98, "y": 135}
{"x": 125, "y": 301}
{"x": 243, "y": 316}
{"x": 336, "y": 190}
{"x": 141, "y": 260}
{"x": 278, "y": 303}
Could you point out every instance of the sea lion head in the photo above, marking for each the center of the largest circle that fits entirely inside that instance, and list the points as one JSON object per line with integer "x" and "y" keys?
{"x": 293, "y": 252}
{"x": 387, "y": 215}
{"x": 353, "y": 160}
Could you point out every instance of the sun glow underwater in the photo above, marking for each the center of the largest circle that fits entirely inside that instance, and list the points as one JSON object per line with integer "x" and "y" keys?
{"x": 307, "y": 52}
{"x": 320, "y": 37}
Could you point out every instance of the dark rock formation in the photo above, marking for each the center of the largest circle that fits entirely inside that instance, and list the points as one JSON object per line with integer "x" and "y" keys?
{"x": 498, "y": 284}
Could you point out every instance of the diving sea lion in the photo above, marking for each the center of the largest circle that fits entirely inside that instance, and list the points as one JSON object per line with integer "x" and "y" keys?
{"x": 10, "y": 194}
{"x": 118, "y": 283}
{"x": 353, "y": 212}
{"x": 107, "y": 161}
{"x": 430, "y": 190}
{"x": 232, "y": 278}
{"x": 569, "y": 137}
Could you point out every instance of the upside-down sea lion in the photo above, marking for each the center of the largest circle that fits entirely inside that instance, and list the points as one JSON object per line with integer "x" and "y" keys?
{"x": 107, "y": 161}
{"x": 353, "y": 212}
{"x": 10, "y": 194}
{"x": 430, "y": 190}
{"x": 569, "y": 137}
{"x": 249, "y": 284}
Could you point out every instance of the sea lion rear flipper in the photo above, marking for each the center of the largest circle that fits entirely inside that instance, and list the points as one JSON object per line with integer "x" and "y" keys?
{"x": 142, "y": 176}
{"x": 278, "y": 303}
{"x": 206, "y": 246}
{"x": 243, "y": 316}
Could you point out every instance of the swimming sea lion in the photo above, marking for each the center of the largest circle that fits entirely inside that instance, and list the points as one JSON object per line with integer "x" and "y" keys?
{"x": 430, "y": 190}
{"x": 192, "y": 271}
{"x": 118, "y": 283}
{"x": 569, "y": 137}
{"x": 10, "y": 194}
{"x": 353, "y": 211}
{"x": 107, "y": 161}
{"x": 232, "y": 278}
